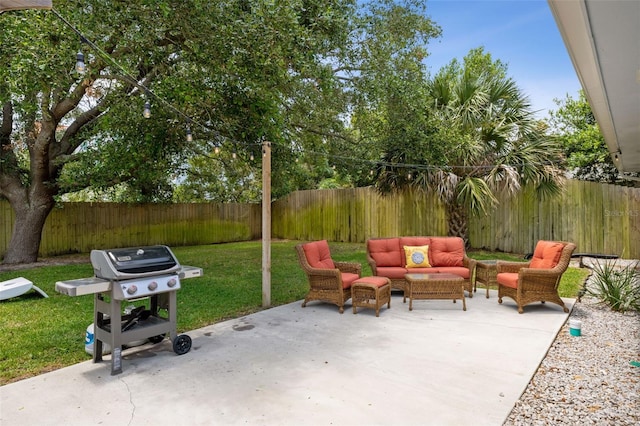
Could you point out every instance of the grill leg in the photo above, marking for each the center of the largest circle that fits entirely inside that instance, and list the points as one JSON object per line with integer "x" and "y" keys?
{"x": 98, "y": 319}
{"x": 116, "y": 337}
{"x": 173, "y": 316}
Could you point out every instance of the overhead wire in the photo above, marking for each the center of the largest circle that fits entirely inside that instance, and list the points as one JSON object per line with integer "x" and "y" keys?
{"x": 145, "y": 89}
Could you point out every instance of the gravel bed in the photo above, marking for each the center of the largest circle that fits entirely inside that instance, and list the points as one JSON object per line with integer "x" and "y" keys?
{"x": 588, "y": 379}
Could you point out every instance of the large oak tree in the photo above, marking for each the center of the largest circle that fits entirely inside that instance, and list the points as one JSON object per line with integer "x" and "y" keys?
{"x": 235, "y": 72}
{"x": 223, "y": 68}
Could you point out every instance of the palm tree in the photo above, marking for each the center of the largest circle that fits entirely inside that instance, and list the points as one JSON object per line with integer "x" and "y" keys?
{"x": 492, "y": 143}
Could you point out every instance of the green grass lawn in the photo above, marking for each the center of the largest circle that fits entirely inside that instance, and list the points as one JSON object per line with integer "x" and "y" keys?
{"x": 40, "y": 335}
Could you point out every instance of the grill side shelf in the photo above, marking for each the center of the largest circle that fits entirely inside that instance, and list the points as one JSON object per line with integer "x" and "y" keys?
{"x": 83, "y": 286}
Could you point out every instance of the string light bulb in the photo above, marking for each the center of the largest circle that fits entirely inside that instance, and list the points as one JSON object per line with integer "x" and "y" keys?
{"x": 216, "y": 150}
{"x": 147, "y": 109}
{"x": 80, "y": 65}
{"x": 189, "y": 134}
{"x": 147, "y": 106}
{"x": 233, "y": 155}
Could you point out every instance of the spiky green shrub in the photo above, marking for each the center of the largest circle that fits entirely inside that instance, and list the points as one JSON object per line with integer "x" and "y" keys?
{"x": 616, "y": 286}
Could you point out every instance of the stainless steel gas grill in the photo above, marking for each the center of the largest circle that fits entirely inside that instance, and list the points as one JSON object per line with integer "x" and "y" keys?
{"x": 127, "y": 275}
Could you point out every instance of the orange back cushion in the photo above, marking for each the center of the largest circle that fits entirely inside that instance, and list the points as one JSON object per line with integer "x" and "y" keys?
{"x": 386, "y": 251}
{"x": 318, "y": 255}
{"x": 446, "y": 251}
{"x": 546, "y": 255}
{"x": 414, "y": 241}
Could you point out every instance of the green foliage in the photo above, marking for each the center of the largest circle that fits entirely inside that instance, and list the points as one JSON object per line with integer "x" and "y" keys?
{"x": 484, "y": 129}
{"x": 243, "y": 71}
{"x": 575, "y": 128}
{"x": 385, "y": 72}
{"x": 616, "y": 286}
{"x": 222, "y": 176}
{"x": 467, "y": 134}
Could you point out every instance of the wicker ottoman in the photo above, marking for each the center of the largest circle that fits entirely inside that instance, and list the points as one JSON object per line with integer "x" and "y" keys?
{"x": 371, "y": 292}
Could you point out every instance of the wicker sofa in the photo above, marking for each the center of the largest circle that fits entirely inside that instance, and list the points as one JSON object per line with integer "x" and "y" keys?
{"x": 387, "y": 257}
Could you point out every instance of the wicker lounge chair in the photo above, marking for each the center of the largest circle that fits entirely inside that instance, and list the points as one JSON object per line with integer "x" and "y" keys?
{"x": 329, "y": 281}
{"x": 538, "y": 279}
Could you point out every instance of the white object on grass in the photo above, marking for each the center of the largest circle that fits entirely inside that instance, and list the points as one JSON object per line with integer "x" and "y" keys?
{"x": 17, "y": 287}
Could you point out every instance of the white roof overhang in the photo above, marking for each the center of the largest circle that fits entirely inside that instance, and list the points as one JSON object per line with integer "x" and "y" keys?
{"x": 603, "y": 41}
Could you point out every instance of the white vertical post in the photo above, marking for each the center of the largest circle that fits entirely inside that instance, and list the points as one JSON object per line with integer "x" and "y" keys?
{"x": 266, "y": 224}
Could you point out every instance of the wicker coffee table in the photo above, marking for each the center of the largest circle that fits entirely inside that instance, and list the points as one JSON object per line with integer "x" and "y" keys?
{"x": 485, "y": 274}
{"x": 435, "y": 286}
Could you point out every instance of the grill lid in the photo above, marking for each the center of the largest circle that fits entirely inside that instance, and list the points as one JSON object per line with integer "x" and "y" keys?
{"x": 133, "y": 262}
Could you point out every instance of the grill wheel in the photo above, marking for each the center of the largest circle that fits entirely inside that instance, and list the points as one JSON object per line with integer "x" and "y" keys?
{"x": 182, "y": 344}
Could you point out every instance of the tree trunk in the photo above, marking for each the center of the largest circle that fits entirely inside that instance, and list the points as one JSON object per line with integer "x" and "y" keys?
{"x": 27, "y": 230}
{"x": 458, "y": 222}
{"x": 31, "y": 199}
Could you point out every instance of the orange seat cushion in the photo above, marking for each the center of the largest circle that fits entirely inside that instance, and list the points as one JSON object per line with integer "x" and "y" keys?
{"x": 457, "y": 270}
{"x": 393, "y": 272}
{"x": 374, "y": 281}
{"x": 421, "y": 270}
{"x": 508, "y": 279}
{"x": 348, "y": 278}
{"x": 546, "y": 255}
{"x": 318, "y": 255}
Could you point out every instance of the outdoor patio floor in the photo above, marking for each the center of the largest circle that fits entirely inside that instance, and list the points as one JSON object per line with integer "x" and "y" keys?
{"x": 435, "y": 365}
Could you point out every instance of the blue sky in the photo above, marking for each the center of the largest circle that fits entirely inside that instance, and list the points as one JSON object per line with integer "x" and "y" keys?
{"x": 521, "y": 33}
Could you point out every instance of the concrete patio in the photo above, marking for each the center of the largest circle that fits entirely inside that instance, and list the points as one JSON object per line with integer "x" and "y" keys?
{"x": 435, "y": 365}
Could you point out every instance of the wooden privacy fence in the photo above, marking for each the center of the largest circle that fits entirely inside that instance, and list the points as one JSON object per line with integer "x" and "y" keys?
{"x": 80, "y": 227}
{"x": 354, "y": 215}
{"x": 599, "y": 218}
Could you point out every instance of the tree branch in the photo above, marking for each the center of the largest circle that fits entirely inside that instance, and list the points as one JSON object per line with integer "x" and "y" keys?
{"x": 66, "y": 147}
{"x": 63, "y": 107}
{"x": 321, "y": 132}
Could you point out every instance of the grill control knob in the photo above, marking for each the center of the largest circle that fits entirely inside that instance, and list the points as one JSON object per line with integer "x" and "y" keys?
{"x": 132, "y": 289}
{"x": 152, "y": 285}
{"x": 172, "y": 282}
